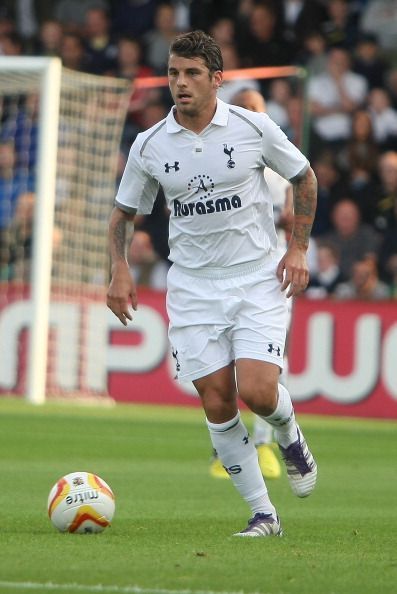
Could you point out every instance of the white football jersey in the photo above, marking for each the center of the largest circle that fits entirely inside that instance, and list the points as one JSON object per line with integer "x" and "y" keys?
{"x": 221, "y": 208}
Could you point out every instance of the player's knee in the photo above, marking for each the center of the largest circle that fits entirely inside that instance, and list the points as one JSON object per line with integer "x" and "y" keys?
{"x": 219, "y": 405}
{"x": 260, "y": 398}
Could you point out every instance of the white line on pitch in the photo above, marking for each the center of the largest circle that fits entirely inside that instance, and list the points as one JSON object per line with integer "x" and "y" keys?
{"x": 50, "y": 586}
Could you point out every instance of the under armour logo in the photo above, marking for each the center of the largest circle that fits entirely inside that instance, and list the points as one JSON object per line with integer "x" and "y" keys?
{"x": 245, "y": 439}
{"x": 174, "y": 166}
{"x": 228, "y": 152}
{"x": 273, "y": 349}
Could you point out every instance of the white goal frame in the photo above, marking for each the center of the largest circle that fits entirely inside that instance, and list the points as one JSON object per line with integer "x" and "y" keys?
{"x": 50, "y": 74}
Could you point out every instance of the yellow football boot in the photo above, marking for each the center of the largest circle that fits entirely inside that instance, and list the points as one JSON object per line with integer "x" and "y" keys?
{"x": 217, "y": 470}
{"x": 268, "y": 461}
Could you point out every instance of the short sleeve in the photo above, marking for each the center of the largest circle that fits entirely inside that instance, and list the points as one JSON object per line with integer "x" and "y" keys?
{"x": 137, "y": 190}
{"x": 279, "y": 153}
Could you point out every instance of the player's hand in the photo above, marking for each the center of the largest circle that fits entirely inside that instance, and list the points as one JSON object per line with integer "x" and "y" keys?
{"x": 122, "y": 293}
{"x": 293, "y": 272}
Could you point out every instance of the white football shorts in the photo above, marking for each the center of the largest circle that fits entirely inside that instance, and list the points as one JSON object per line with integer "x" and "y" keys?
{"x": 216, "y": 319}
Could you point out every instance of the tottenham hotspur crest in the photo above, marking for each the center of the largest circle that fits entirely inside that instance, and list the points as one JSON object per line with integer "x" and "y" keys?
{"x": 228, "y": 151}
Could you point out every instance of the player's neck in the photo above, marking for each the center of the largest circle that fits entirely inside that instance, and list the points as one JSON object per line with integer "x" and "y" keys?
{"x": 198, "y": 122}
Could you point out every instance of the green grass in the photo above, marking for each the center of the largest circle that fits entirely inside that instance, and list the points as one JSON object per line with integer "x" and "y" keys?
{"x": 173, "y": 523}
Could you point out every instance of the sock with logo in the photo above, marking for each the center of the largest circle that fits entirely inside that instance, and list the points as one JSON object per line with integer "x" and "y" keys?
{"x": 283, "y": 419}
{"x": 238, "y": 455}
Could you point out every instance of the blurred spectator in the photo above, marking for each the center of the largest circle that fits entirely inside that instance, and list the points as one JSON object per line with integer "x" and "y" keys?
{"x": 391, "y": 86}
{"x": 369, "y": 60}
{"x": 333, "y": 96}
{"x": 384, "y": 118}
{"x": 323, "y": 283}
{"x": 277, "y": 104}
{"x": 340, "y": 27}
{"x": 233, "y": 86}
{"x": 18, "y": 266}
{"x": 27, "y": 16}
{"x": 354, "y": 240}
{"x": 146, "y": 266}
{"x": 21, "y": 128}
{"x": 13, "y": 182}
{"x": 153, "y": 113}
{"x": 364, "y": 283}
{"x": 203, "y": 13}
{"x": 101, "y": 50}
{"x": 49, "y": 39}
{"x": 7, "y": 24}
{"x": 223, "y": 31}
{"x": 359, "y": 162}
{"x": 73, "y": 54}
{"x": 361, "y": 150}
{"x": 313, "y": 55}
{"x": 380, "y": 17}
{"x": 299, "y": 17}
{"x": 72, "y": 13}
{"x": 387, "y": 193}
{"x": 11, "y": 45}
{"x": 295, "y": 130}
{"x": 133, "y": 18}
{"x": 261, "y": 43}
{"x": 157, "y": 41}
{"x": 331, "y": 188}
{"x": 388, "y": 258}
{"x": 131, "y": 66}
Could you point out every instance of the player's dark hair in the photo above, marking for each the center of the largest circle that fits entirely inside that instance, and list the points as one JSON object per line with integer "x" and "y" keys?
{"x": 197, "y": 44}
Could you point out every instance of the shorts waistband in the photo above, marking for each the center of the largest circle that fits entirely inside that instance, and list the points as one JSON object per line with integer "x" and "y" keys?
{"x": 211, "y": 272}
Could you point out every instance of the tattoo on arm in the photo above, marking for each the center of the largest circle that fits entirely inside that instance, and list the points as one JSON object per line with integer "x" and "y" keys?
{"x": 121, "y": 230}
{"x": 305, "y": 201}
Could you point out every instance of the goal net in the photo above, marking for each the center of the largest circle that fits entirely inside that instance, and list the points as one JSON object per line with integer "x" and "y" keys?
{"x": 59, "y": 145}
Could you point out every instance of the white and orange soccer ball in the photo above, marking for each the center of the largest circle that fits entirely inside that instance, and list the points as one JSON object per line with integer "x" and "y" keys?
{"x": 81, "y": 502}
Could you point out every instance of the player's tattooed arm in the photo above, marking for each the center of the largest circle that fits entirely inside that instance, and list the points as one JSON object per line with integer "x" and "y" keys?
{"x": 305, "y": 202}
{"x": 121, "y": 230}
{"x": 122, "y": 290}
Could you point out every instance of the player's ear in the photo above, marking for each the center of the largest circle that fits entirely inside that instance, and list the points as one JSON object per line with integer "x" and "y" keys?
{"x": 218, "y": 78}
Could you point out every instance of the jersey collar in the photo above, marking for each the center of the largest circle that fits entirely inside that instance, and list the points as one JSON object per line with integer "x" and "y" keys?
{"x": 220, "y": 118}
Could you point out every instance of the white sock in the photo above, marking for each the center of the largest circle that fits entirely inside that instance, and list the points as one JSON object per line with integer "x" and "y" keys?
{"x": 283, "y": 419}
{"x": 238, "y": 455}
{"x": 263, "y": 432}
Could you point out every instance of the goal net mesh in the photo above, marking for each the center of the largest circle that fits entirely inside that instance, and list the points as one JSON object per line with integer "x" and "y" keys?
{"x": 91, "y": 117}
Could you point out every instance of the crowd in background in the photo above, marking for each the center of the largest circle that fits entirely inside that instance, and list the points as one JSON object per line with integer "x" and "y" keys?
{"x": 349, "y": 50}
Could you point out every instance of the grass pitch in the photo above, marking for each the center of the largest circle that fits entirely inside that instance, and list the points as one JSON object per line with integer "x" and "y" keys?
{"x": 173, "y": 524}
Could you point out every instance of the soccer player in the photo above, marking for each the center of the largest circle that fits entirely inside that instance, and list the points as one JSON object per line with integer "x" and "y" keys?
{"x": 227, "y": 291}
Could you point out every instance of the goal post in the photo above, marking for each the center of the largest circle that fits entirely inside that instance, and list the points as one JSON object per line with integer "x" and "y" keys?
{"x": 61, "y": 129}
{"x": 43, "y": 224}
{"x": 48, "y": 72}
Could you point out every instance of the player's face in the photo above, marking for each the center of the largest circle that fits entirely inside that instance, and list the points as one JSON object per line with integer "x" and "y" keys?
{"x": 193, "y": 87}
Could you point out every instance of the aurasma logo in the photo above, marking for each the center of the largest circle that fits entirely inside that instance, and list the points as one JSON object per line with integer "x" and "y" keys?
{"x": 186, "y": 209}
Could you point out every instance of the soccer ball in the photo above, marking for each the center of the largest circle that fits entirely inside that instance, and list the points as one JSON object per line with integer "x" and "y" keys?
{"x": 81, "y": 502}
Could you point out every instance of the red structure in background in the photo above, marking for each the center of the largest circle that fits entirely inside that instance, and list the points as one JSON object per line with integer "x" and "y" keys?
{"x": 342, "y": 355}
